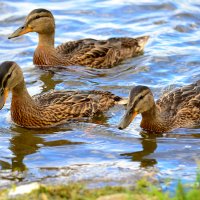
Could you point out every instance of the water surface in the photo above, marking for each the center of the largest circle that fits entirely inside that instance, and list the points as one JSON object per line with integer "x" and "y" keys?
{"x": 97, "y": 152}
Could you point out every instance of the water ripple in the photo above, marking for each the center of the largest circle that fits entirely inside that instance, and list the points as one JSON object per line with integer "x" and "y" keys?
{"x": 85, "y": 151}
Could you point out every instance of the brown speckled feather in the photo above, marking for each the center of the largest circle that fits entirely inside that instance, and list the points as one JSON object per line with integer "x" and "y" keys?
{"x": 181, "y": 107}
{"x": 178, "y": 109}
{"x": 101, "y": 53}
{"x": 86, "y": 52}
{"x": 51, "y": 108}
{"x": 97, "y": 100}
{"x": 57, "y": 107}
{"x": 173, "y": 102}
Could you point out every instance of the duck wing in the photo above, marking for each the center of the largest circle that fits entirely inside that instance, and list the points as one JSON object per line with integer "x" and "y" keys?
{"x": 102, "y": 53}
{"x": 71, "y": 104}
{"x": 185, "y": 97}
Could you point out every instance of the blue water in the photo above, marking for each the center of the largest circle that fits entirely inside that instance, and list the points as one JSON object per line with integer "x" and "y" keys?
{"x": 98, "y": 153}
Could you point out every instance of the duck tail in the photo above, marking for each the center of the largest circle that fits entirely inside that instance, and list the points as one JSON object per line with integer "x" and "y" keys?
{"x": 122, "y": 101}
{"x": 142, "y": 41}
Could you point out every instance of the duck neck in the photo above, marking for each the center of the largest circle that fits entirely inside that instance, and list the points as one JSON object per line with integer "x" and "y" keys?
{"x": 20, "y": 92}
{"x": 45, "y": 53}
{"x": 46, "y": 40}
{"x": 154, "y": 121}
{"x": 22, "y": 102}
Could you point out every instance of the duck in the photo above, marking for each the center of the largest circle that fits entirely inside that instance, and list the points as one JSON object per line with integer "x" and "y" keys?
{"x": 51, "y": 108}
{"x": 179, "y": 108}
{"x": 84, "y": 52}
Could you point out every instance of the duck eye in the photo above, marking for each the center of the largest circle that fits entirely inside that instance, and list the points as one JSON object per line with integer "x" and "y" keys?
{"x": 37, "y": 17}
{"x": 141, "y": 97}
{"x": 1, "y": 92}
{"x": 131, "y": 111}
{"x": 9, "y": 75}
{"x": 6, "y": 80}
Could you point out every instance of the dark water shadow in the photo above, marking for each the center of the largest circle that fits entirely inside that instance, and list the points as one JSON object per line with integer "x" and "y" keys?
{"x": 25, "y": 142}
{"x": 149, "y": 145}
{"x": 49, "y": 83}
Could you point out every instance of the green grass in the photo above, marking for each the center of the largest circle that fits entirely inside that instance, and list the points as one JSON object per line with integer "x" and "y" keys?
{"x": 144, "y": 190}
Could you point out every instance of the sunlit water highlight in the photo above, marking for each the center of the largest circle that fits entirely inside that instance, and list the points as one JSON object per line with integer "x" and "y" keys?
{"x": 98, "y": 152}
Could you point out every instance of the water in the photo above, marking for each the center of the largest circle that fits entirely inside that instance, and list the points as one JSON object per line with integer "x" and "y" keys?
{"x": 98, "y": 153}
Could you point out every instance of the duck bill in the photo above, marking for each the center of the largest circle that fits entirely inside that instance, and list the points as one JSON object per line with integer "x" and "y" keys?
{"x": 127, "y": 119}
{"x": 20, "y": 31}
{"x": 3, "y": 98}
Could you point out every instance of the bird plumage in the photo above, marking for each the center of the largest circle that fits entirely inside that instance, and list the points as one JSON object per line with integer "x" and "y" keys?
{"x": 177, "y": 109}
{"x": 51, "y": 108}
{"x": 86, "y": 52}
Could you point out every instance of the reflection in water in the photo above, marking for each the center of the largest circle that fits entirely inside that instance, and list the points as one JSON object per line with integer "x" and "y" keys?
{"x": 149, "y": 145}
{"x": 49, "y": 83}
{"x": 27, "y": 142}
{"x": 99, "y": 118}
{"x": 4, "y": 165}
{"x": 168, "y": 62}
